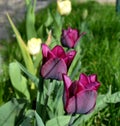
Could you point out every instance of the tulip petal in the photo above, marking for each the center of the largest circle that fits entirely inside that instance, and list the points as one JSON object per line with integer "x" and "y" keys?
{"x": 70, "y": 107}
{"x": 68, "y": 41}
{"x": 93, "y": 81}
{"x": 67, "y": 81}
{"x": 53, "y": 69}
{"x": 83, "y": 79}
{"x": 67, "y": 84}
{"x": 69, "y": 57}
{"x": 73, "y": 34}
{"x": 82, "y": 103}
{"x": 59, "y": 51}
{"x": 46, "y": 52}
{"x": 93, "y": 77}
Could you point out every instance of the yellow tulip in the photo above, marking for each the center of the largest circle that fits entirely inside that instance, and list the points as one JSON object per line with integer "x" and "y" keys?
{"x": 64, "y": 7}
{"x": 34, "y": 46}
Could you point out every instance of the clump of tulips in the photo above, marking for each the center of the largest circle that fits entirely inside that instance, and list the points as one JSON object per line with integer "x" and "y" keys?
{"x": 79, "y": 96}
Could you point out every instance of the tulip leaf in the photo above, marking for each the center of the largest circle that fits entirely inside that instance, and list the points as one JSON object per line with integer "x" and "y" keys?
{"x": 75, "y": 66}
{"x": 9, "y": 111}
{"x": 38, "y": 119}
{"x": 30, "y": 19}
{"x": 58, "y": 121}
{"x": 19, "y": 82}
{"x": 31, "y": 76}
{"x": 38, "y": 60}
{"x": 58, "y": 22}
{"x": 49, "y": 19}
{"x": 114, "y": 98}
{"x": 29, "y": 117}
{"x": 24, "y": 51}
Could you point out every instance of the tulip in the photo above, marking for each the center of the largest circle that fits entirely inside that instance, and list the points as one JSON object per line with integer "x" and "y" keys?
{"x": 34, "y": 45}
{"x": 55, "y": 62}
{"x": 80, "y": 96}
{"x": 70, "y": 37}
{"x": 64, "y": 7}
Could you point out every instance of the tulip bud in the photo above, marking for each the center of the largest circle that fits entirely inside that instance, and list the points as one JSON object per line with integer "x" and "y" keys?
{"x": 70, "y": 37}
{"x": 64, "y": 7}
{"x": 34, "y": 46}
{"x": 85, "y": 14}
{"x": 49, "y": 38}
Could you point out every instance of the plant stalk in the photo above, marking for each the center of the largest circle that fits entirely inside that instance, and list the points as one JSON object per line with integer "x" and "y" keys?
{"x": 71, "y": 119}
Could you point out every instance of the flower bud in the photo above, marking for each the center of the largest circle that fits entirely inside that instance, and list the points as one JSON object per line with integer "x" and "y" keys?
{"x": 64, "y": 7}
{"x": 70, "y": 37}
{"x": 34, "y": 46}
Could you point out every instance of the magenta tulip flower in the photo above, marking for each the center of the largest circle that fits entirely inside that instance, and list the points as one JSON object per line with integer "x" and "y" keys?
{"x": 70, "y": 37}
{"x": 80, "y": 96}
{"x": 55, "y": 62}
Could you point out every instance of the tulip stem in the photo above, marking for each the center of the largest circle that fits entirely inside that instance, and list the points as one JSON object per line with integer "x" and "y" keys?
{"x": 39, "y": 95}
{"x": 71, "y": 119}
{"x": 46, "y": 101}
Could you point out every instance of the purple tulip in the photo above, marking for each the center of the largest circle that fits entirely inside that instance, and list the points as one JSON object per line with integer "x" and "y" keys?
{"x": 80, "y": 96}
{"x": 70, "y": 37}
{"x": 55, "y": 62}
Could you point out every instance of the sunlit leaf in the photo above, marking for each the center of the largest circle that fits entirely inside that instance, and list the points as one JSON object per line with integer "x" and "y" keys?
{"x": 9, "y": 112}
{"x": 49, "y": 19}
{"x": 39, "y": 120}
{"x": 19, "y": 82}
{"x": 25, "y": 53}
{"x": 31, "y": 77}
{"x": 58, "y": 121}
{"x": 30, "y": 19}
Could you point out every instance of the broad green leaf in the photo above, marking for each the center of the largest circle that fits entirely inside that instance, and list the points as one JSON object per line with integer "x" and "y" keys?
{"x": 26, "y": 122}
{"x": 38, "y": 119}
{"x": 9, "y": 112}
{"x": 29, "y": 118}
{"x": 59, "y": 121}
{"x": 31, "y": 77}
{"x": 25, "y": 53}
{"x": 19, "y": 82}
{"x": 114, "y": 98}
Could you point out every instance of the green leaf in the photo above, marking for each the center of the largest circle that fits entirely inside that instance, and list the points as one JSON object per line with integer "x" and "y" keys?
{"x": 49, "y": 19}
{"x": 25, "y": 53}
{"x": 9, "y": 112}
{"x": 58, "y": 121}
{"x": 114, "y": 98}
{"x": 38, "y": 60}
{"x": 75, "y": 66}
{"x": 39, "y": 120}
{"x": 19, "y": 82}
{"x": 29, "y": 118}
{"x": 30, "y": 19}
{"x": 31, "y": 77}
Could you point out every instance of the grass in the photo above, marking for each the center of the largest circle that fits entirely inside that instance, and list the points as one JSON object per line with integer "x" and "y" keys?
{"x": 100, "y": 50}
